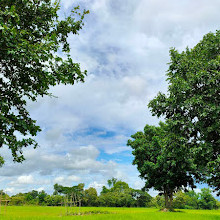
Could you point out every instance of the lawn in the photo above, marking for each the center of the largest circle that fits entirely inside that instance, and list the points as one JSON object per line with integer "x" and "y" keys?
{"x": 37, "y": 212}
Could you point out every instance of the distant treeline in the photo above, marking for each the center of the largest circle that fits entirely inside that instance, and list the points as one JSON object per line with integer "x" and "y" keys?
{"x": 117, "y": 194}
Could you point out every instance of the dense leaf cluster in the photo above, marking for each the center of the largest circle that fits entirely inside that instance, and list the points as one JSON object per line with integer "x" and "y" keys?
{"x": 34, "y": 56}
{"x": 190, "y": 200}
{"x": 162, "y": 160}
{"x": 192, "y": 104}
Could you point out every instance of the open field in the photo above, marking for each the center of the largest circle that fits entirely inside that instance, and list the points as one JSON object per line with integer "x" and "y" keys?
{"x": 47, "y": 213}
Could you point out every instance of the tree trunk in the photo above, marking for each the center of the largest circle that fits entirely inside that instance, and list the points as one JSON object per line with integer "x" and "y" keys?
{"x": 171, "y": 201}
{"x": 166, "y": 200}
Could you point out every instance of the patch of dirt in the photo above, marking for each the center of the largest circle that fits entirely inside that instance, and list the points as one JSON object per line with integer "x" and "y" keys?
{"x": 94, "y": 212}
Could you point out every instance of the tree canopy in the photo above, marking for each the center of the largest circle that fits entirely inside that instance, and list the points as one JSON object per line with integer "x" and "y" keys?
{"x": 162, "y": 160}
{"x": 34, "y": 56}
{"x": 65, "y": 190}
{"x": 192, "y": 103}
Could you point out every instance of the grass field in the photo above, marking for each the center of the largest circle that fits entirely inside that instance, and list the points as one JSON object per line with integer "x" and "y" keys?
{"x": 47, "y": 213}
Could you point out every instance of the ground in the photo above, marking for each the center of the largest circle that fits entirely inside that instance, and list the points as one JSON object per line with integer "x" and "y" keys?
{"x": 48, "y": 213}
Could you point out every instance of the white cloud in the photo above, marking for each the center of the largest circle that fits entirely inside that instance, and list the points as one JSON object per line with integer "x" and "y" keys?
{"x": 124, "y": 45}
{"x": 59, "y": 179}
{"x": 40, "y": 189}
{"x": 10, "y": 190}
{"x": 74, "y": 178}
{"x": 97, "y": 186}
{"x": 22, "y": 181}
{"x": 78, "y": 160}
{"x": 25, "y": 180}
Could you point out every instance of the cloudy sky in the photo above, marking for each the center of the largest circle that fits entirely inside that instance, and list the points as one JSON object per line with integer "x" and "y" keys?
{"x": 124, "y": 45}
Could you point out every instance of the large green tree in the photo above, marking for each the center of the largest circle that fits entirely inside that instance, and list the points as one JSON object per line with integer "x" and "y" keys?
{"x": 162, "y": 160}
{"x": 34, "y": 56}
{"x": 192, "y": 103}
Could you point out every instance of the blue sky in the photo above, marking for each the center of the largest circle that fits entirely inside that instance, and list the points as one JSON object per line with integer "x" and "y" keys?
{"x": 124, "y": 45}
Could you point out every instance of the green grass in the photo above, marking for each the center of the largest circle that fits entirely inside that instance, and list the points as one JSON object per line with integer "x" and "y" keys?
{"x": 48, "y": 213}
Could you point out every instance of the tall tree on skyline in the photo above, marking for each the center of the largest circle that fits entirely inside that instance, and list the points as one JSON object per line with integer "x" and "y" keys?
{"x": 192, "y": 104}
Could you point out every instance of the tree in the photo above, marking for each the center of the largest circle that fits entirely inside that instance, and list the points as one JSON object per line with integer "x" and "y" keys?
{"x": 192, "y": 200}
{"x": 33, "y": 41}
{"x": 54, "y": 200}
{"x": 112, "y": 181}
{"x": 206, "y": 200}
{"x": 17, "y": 199}
{"x": 41, "y": 197}
{"x": 142, "y": 198}
{"x": 32, "y": 197}
{"x": 65, "y": 190}
{"x": 192, "y": 103}
{"x": 91, "y": 197}
{"x": 180, "y": 199}
{"x": 104, "y": 190}
{"x": 162, "y": 160}
{"x": 34, "y": 194}
{"x": 119, "y": 186}
{"x": 158, "y": 201}
{"x": 119, "y": 195}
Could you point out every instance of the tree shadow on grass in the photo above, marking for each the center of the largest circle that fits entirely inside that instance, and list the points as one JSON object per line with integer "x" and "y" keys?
{"x": 170, "y": 210}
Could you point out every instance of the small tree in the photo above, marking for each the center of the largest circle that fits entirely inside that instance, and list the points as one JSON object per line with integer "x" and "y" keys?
{"x": 73, "y": 195}
{"x": 90, "y": 197}
{"x": 142, "y": 198}
{"x": 180, "y": 199}
{"x": 162, "y": 160}
{"x": 192, "y": 200}
{"x": 206, "y": 199}
{"x": 119, "y": 195}
{"x": 41, "y": 197}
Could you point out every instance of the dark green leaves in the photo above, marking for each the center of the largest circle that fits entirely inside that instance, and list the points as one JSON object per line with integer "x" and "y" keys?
{"x": 193, "y": 103}
{"x": 30, "y": 36}
{"x": 161, "y": 158}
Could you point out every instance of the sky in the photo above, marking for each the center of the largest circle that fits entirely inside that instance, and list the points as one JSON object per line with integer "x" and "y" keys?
{"x": 124, "y": 45}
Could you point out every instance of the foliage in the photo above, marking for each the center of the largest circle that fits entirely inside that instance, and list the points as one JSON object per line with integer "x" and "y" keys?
{"x": 90, "y": 197}
{"x": 112, "y": 181}
{"x": 121, "y": 195}
{"x": 1, "y": 161}
{"x": 70, "y": 192}
{"x": 206, "y": 200}
{"x": 180, "y": 199}
{"x": 53, "y": 200}
{"x": 127, "y": 197}
{"x": 17, "y": 200}
{"x": 158, "y": 201}
{"x": 162, "y": 160}
{"x": 192, "y": 104}
{"x": 41, "y": 197}
{"x": 192, "y": 200}
{"x": 31, "y": 37}
{"x": 142, "y": 198}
